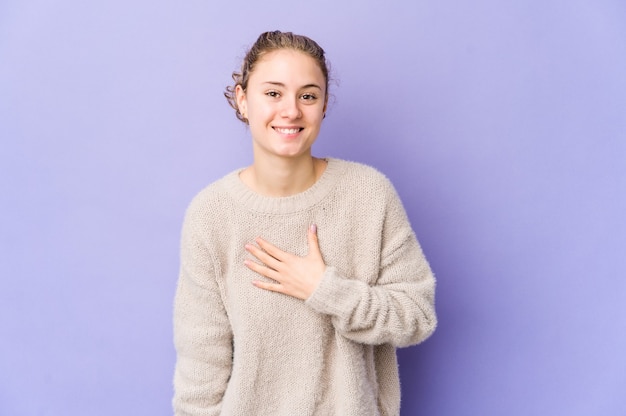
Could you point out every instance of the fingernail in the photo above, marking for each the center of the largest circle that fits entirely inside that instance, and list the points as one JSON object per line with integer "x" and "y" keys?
{"x": 313, "y": 228}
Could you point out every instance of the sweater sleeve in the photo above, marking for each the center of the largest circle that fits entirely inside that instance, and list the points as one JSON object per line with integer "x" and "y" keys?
{"x": 398, "y": 308}
{"x": 202, "y": 334}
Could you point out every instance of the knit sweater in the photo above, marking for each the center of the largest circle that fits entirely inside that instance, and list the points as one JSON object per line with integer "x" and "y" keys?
{"x": 245, "y": 351}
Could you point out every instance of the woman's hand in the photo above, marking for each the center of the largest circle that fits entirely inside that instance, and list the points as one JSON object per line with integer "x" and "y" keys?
{"x": 295, "y": 276}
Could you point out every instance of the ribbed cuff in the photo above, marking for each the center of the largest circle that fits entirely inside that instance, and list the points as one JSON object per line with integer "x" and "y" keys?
{"x": 335, "y": 295}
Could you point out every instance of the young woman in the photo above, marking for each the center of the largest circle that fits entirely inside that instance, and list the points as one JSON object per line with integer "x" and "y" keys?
{"x": 299, "y": 276}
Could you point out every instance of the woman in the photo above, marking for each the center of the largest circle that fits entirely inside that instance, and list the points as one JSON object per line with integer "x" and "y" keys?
{"x": 299, "y": 276}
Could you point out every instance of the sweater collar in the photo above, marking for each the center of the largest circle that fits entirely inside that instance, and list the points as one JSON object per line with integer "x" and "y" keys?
{"x": 302, "y": 201}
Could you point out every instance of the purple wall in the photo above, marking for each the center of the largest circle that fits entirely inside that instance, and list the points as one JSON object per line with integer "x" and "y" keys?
{"x": 502, "y": 126}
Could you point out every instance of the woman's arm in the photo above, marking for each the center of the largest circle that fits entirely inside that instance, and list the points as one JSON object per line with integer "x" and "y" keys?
{"x": 399, "y": 307}
{"x": 202, "y": 334}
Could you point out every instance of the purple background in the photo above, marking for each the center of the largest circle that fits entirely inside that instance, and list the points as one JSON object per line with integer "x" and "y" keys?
{"x": 502, "y": 125}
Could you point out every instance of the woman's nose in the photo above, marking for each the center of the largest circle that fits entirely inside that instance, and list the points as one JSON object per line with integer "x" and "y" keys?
{"x": 291, "y": 109}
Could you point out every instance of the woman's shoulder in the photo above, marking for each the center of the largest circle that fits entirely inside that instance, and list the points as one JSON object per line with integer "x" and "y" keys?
{"x": 360, "y": 174}
{"x": 213, "y": 197}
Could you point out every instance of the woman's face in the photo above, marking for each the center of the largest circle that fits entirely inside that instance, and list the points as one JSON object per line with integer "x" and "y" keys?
{"x": 284, "y": 103}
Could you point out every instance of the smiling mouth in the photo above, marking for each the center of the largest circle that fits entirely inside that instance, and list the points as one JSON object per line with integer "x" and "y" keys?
{"x": 289, "y": 130}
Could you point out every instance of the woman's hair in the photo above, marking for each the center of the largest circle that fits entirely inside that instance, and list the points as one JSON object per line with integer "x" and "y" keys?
{"x": 270, "y": 42}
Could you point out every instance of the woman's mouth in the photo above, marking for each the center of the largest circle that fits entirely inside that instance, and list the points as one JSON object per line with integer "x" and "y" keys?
{"x": 289, "y": 130}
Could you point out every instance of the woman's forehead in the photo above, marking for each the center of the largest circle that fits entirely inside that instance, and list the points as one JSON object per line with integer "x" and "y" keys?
{"x": 286, "y": 66}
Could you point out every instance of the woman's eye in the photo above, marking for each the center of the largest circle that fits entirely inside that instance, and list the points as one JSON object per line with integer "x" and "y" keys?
{"x": 308, "y": 97}
{"x": 272, "y": 94}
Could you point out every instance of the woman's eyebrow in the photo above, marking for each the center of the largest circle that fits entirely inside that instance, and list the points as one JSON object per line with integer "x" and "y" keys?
{"x": 280, "y": 84}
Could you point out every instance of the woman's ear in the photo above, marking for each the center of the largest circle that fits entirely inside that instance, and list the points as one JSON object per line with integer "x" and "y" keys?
{"x": 242, "y": 102}
{"x": 327, "y": 97}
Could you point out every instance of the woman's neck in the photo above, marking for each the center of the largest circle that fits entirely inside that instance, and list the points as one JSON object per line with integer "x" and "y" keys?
{"x": 281, "y": 177}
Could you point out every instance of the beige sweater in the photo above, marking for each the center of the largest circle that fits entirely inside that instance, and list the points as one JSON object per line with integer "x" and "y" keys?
{"x": 245, "y": 351}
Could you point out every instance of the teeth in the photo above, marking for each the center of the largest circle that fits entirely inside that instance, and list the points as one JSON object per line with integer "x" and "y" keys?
{"x": 288, "y": 131}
